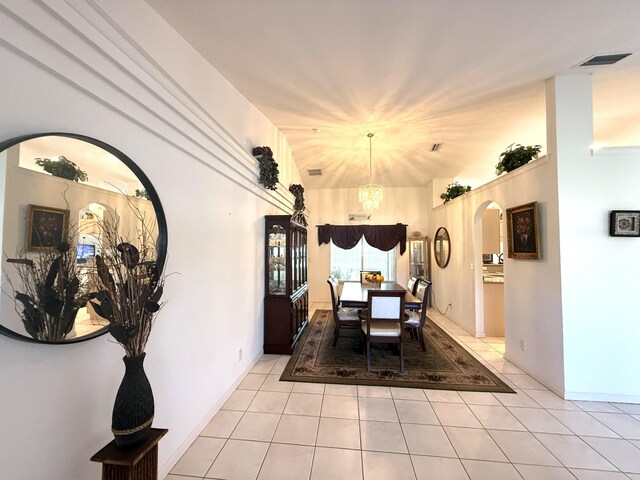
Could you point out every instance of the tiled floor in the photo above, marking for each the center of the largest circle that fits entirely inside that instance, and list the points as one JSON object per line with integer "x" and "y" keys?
{"x": 278, "y": 430}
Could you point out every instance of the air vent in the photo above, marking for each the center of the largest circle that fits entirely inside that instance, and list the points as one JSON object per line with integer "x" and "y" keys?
{"x": 604, "y": 59}
{"x": 435, "y": 147}
{"x": 314, "y": 172}
{"x": 359, "y": 217}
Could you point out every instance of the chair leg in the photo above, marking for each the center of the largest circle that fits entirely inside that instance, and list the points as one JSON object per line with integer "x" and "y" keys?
{"x": 368, "y": 357}
{"x": 401, "y": 356}
{"x": 336, "y": 334}
{"x": 421, "y": 336}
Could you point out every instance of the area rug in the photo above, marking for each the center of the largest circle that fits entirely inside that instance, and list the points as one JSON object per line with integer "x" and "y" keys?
{"x": 445, "y": 365}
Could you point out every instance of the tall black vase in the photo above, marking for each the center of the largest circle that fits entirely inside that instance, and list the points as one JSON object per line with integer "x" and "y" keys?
{"x": 134, "y": 408}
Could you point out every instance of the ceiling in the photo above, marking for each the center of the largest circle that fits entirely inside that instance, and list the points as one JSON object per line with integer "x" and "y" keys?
{"x": 466, "y": 74}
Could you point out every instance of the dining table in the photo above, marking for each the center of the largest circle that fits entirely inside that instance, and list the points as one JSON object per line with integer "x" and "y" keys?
{"x": 354, "y": 294}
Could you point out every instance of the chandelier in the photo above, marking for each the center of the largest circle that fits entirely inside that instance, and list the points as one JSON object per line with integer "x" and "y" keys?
{"x": 370, "y": 195}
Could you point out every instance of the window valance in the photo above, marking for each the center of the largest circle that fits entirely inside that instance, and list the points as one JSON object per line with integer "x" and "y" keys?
{"x": 382, "y": 237}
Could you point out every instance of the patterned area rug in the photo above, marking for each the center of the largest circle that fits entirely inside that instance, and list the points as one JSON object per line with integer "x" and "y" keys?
{"x": 445, "y": 365}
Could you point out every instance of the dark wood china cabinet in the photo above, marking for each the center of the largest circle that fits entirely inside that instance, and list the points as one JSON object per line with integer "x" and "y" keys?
{"x": 286, "y": 301}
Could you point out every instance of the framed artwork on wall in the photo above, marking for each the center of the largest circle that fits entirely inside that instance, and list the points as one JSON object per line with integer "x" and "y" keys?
{"x": 46, "y": 227}
{"x": 522, "y": 232}
{"x": 624, "y": 223}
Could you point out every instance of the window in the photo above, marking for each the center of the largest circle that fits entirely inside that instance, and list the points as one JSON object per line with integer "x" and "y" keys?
{"x": 346, "y": 264}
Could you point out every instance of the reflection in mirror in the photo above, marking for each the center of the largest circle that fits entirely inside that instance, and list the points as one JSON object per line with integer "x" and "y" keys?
{"x": 442, "y": 247}
{"x": 41, "y": 212}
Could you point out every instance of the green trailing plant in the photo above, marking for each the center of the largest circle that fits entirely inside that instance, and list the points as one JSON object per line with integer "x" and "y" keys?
{"x": 50, "y": 293}
{"x": 268, "y": 167}
{"x": 454, "y": 190}
{"x": 131, "y": 285}
{"x": 63, "y": 168}
{"x": 516, "y": 156}
{"x": 142, "y": 194}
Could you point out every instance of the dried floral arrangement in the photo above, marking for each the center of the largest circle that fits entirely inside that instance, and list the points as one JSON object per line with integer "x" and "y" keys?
{"x": 131, "y": 284}
{"x": 63, "y": 168}
{"x": 268, "y": 167}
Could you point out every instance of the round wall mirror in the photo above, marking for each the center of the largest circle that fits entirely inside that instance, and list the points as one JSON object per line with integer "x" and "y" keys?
{"x": 442, "y": 247}
{"x": 56, "y": 189}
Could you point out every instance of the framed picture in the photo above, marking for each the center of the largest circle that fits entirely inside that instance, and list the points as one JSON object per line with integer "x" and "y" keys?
{"x": 522, "y": 231}
{"x": 624, "y": 223}
{"x": 46, "y": 227}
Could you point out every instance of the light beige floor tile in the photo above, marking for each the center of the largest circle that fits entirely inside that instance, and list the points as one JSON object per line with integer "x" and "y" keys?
{"x": 474, "y": 443}
{"x": 455, "y": 415}
{"x": 252, "y": 381}
{"x": 268, "y": 402}
{"x": 434, "y": 468}
{"x": 574, "y": 452}
{"x": 427, "y": 440}
{"x": 263, "y": 367}
{"x": 239, "y": 400}
{"x": 239, "y": 460}
{"x": 481, "y": 347}
{"x": 633, "y": 476}
{"x": 505, "y": 367}
{"x": 498, "y": 340}
{"x": 273, "y": 384}
{"x": 412, "y": 411}
{"x": 499, "y": 347}
{"x": 382, "y": 437}
{"x": 303, "y": 404}
{"x": 287, "y": 462}
{"x": 620, "y": 452}
{"x": 377, "y": 409}
{"x": 548, "y": 399}
{"x": 524, "y": 381}
{"x": 630, "y": 408}
{"x": 302, "y": 387}
{"x": 338, "y": 406}
{"x": 496, "y": 417}
{"x": 490, "y": 356}
{"x": 346, "y": 390}
{"x": 408, "y": 394}
{"x": 222, "y": 424}
{"x": 539, "y": 420}
{"x": 179, "y": 477}
{"x": 280, "y": 365}
{"x": 597, "y": 475}
{"x": 582, "y": 423}
{"x": 336, "y": 464}
{"x": 386, "y": 466}
{"x": 199, "y": 457}
{"x": 623, "y": 424}
{"x": 479, "y": 398}
{"x": 523, "y": 447}
{"x": 256, "y": 426}
{"x": 375, "y": 392}
{"x": 536, "y": 472}
{"x": 481, "y": 470}
{"x": 519, "y": 399}
{"x": 448, "y": 396}
{"x": 338, "y": 433}
{"x": 597, "y": 406}
{"x": 301, "y": 430}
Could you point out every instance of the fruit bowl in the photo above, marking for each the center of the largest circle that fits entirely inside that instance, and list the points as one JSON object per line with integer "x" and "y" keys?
{"x": 374, "y": 279}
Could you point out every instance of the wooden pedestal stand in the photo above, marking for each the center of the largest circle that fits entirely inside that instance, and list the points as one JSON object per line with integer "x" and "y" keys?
{"x": 139, "y": 463}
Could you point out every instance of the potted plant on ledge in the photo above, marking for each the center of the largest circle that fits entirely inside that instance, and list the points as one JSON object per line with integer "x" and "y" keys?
{"x": 268, "y": 167}
{"x": 516, "y": 156}
{"x": 454, "y": 190}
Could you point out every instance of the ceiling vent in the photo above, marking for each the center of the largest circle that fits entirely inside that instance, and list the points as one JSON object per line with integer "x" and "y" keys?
{"x": 359, "y": 217}
{"x": 435, "y": 147}
{"x": 599, "y": 60}
{"x": 314, "y": 172}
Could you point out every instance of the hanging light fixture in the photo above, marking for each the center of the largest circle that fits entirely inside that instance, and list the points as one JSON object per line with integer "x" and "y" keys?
{"x": 370, "y": 195}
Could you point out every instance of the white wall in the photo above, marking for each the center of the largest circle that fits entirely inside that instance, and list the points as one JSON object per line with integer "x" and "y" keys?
{"x": 400, "y": 205}
{"x": 137, "y": 86}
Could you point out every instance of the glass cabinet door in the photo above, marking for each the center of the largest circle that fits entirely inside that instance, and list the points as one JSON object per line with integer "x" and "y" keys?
{"x": 419, "y": 256}
{"x": 277, "y": 261}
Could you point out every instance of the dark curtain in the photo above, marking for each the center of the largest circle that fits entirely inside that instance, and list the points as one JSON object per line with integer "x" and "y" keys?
{"x": 382, "y": 237}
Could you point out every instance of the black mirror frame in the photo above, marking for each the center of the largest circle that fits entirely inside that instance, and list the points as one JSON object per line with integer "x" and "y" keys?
{"x": 153, "y": 196}
{"x": 445, "y": 261}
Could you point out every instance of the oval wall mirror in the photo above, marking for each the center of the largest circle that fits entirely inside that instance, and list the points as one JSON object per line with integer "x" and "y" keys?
{"x": 56, "y": 189}
{"x": 442, "y": 247}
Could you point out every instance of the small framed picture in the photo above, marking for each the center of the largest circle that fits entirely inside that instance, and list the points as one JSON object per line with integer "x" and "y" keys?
{"x": 46, "y": 227}
{"x": 624, "y": 223}
{"x": 522, "y": 232}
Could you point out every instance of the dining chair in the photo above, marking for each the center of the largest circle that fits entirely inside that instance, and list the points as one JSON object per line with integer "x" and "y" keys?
{"x": 414, "y": 320}
{"x": 412, "y": 284}
{"x": 384, "y": 321}
{"x": 364, "y": 273}
{"x": 343, "y": 317}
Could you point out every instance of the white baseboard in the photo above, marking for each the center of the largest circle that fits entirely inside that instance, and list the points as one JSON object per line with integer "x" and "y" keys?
{"x": 173, "y": 459}
{"x": 602, "y": 397}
